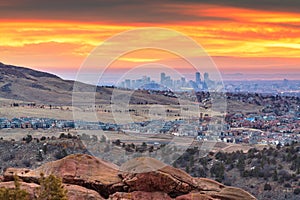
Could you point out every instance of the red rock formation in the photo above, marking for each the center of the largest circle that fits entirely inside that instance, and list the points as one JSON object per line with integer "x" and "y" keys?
{"x": 31, "y": 188}
{"x": 79, "y": 169}
{"x": 138, "y": 195}
{"x": 195, "y": 196}
{"x": 75, "y": 192}
{"x": 142, "y": 178}
{"x": 167, "y": 179}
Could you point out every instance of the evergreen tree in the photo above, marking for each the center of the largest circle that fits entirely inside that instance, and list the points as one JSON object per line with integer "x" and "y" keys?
{"x": 275, "y": 175}
{"x": 15, "y": 193}
{"x": 51, "y": 188}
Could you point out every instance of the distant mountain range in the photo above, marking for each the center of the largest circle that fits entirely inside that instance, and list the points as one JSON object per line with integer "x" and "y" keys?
{"x": 24, "y": 84}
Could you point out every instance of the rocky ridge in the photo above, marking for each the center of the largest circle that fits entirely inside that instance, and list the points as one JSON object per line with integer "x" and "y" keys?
{"x": 87, "y": 177}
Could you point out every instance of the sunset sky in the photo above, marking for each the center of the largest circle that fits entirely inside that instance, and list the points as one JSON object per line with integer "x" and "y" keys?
{"x": 257, "y": 36}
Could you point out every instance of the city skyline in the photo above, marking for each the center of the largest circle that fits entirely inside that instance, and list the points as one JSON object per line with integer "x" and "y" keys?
{"x": 167, "y": 82}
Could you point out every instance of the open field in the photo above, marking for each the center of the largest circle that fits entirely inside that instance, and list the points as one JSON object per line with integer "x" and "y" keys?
{"x": 114, "y": 113}
{"x": 106, "y": 113}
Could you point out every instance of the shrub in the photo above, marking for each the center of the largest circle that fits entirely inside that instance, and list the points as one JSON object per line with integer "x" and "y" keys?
{"x": 287, "y": 185}
{"x": 14, "y": 193}
{"x": 62, "y": 135}
{"x": 39, "y": 156}
{"x": 218, "y": 171}
{"x": 28, "y": 138}
{"x": 103, "y": 139}
{"x": 61, "y": 154}
{"x": 51, "y": 188}
{"x": 267, "y": 187}
{"x": 297, "y": 191}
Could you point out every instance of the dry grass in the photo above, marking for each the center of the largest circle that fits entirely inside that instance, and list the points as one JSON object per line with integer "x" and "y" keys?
{"x": 107, "y": 113}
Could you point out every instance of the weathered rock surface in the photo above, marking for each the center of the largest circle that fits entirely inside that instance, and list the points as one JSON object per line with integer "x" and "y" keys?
{"x": 138, "y": 195}
{"x": 195, "y": 196}
{"x": 166, "y": 179}
{"x": 79, "y": 169}
{"x": 75, "y": 192}
{"x": 205, "y": 184}
{"x": 87, "y": 177}
{"x": 231, "y": 193}
{"x": 31, "y": 188}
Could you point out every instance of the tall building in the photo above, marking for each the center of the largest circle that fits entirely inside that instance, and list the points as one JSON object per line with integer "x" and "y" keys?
{"x": 162, "y": 78}
{"x": 168, "y": 81}
{"x": 183, "y": 82}
{"x": 206, "y": 82}
{"x": 127, "y": 83}
{"x": 206, "y": 77}
{"x": 133, "y": 85}
{"x": 198, "y": 79}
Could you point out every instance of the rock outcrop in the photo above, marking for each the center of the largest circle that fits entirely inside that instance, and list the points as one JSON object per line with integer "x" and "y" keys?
{"x": 75, "y": 192}
{"x": 138, "y": 195}
{"x": 79, "y": 169}
{"x": 87, "y": 177}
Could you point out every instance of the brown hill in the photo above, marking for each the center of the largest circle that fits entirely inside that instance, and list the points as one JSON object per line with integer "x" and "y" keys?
{"x": 19, "y": 83}
{"x": 84, "y": 173}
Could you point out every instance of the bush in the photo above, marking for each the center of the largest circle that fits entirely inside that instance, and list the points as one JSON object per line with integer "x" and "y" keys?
{"x": 15, "y": 193}
{"x": 218, "y": 171}
{"x": 62, "y": 135}
{"x": 287, "y": 185}
{"x": 297, "y": 191}
{"x": 28, "y": 138}
{"x": 51, "y": 189}
{"x": 267, "y": 187}
{"x": 103, "y": 139}
{"x": 26, "y": 163}
{"x": 61, "y": 154}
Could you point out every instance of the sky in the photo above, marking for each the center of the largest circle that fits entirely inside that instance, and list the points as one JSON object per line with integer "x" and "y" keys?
{"x": 257, "y": 36}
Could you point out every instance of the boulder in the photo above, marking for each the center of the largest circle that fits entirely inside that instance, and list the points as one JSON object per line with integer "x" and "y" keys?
{"x": 75, "y": 192}
{"x": 31, "y": 188}
{"x": 78, "y": 169}
{"x": 166, "y": 179}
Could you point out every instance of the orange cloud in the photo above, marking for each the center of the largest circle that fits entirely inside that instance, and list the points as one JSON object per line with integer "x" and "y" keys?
{"x": 239, "y": 33}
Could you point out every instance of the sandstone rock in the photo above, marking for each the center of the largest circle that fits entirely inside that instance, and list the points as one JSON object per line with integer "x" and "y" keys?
{"x": 138, "y": 195}
{"x": 232, "y": 194}
{"x": 82, "y": 167}
{"x": 76, "y": 192}
{"x": 142, "y": 178}
{"x": 195, "y": 196}
{"x": 167, "y": 179}
{"x": 9, "y": 173}
{"x": 78, "y": 169}
{"x": 31, "y": 188}
{"x": 205, "y": 184}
